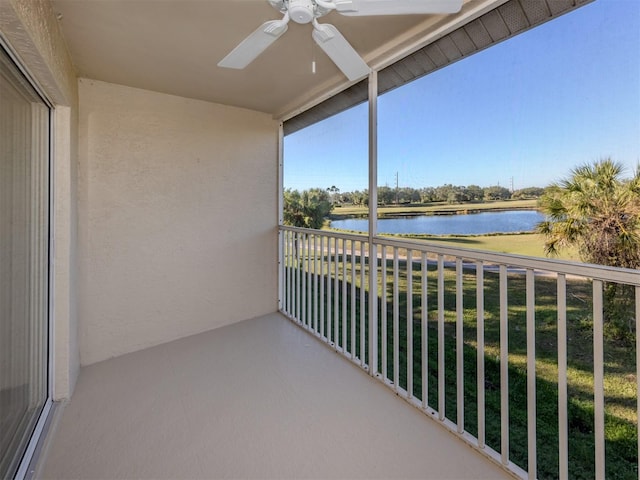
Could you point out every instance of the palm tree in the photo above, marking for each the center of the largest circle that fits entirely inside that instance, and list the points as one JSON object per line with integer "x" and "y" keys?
{"x": 597, "y": 211}
{"x": 333, "y": 190}
{"x": 307, "y": 209}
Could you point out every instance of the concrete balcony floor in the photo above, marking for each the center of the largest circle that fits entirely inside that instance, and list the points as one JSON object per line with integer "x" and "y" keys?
{"x": 258, "y": 399}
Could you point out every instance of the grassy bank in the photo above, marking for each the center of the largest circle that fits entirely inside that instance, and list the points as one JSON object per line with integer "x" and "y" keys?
{"x": 530, "y": 244}
{"x": 432, "y": 209}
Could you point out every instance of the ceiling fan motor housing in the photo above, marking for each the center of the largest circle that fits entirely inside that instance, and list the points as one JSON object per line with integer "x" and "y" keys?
{"x": 302, "y": 11}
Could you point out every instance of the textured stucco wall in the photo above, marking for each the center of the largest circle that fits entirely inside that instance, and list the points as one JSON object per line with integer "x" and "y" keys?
{"x": 178, "y": 215}
{"x": 31, "y": 31}
{"x": 65, "y": 228}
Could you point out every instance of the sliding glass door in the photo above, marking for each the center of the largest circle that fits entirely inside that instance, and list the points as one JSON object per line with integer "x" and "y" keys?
{"x": 24, "y": 263}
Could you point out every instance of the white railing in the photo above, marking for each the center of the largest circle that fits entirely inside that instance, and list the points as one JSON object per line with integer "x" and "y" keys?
{"x": 317, "y": 267}
{"x": 482, "y": 342}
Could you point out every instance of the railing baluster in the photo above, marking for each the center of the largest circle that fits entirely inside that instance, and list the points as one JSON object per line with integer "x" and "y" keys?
{"x": 424, "y": 320}
{"x": 409, "y": 323}
{"x": 353, "y": 301}
{"x": 373, "y": 331}
{"x": 504, "y": 367}
{"x": 459, "y": 346}
{"x": 303, "y": 274}
{"x": 329, "y": 283}
{"x": 292, "y": 259}
{"x": 344, "y": 296}
{"x": 383, "y": 311}
{"x": 563, "y": 437}
{"x": 297, "y": 275}
{"x": 287, "y": 271}
{"x": 531, "y": 376}
{"x": 336, "y": 297}
{"x": 309, "y": 285}
{"x": 480, "y": 352}
{"x": 598, "y": 377}
{"x": 309, "y": 264}
{"x": 283, "y": 271}
{"x": 316, "y": 299}
{"x": 396, "y": 322}
{"x": 363, "y": 306}
{"x": 310, "y": 297}
{"x": 322, "y": 282}
{"x": 294, "y": 267}
{"x": 441, "y": 372}
{"x": 290, "y": 273}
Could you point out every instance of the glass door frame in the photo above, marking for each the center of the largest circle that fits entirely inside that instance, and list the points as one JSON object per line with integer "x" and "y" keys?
{"x": 26, "y": 468}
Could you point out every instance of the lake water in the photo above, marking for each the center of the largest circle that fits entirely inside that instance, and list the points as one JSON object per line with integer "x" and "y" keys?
{"x": 469, "y": 224}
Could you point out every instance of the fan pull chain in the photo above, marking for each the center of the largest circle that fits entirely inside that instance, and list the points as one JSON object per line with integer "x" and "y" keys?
{"x": 313, "y": 57}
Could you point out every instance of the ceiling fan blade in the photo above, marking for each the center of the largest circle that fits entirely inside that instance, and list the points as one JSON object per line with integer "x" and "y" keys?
{"x": 396, "y": 7}
{"x": 254, "y": 44}
{"x": 331, "y": 41}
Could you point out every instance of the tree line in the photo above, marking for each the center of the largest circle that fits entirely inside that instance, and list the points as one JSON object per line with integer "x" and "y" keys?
{"x": 443, "y": 194}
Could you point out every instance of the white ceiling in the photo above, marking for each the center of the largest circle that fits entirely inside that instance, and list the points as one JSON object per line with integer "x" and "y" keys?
{"x": 173, "y": 46}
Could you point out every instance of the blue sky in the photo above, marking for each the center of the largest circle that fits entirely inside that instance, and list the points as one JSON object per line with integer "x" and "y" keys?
{"x": 525, "y": 111}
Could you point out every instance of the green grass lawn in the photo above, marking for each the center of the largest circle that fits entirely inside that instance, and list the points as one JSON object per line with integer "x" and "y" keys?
{"x": 530, "y": 244}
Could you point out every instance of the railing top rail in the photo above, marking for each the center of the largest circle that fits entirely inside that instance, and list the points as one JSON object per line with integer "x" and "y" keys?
{"x": 599, "y": 272}
{"x": 326, "y": 233}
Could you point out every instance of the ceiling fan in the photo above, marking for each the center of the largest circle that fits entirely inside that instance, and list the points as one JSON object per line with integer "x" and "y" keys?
{"x": 328, "y": 38}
